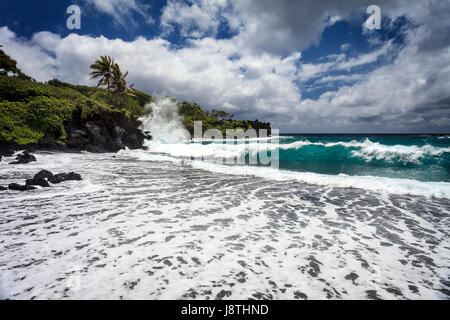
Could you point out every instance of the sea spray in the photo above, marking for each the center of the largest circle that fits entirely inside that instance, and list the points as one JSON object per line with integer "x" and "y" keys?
{"x": 169, "y": 136}
{"x": 164, "y": 122}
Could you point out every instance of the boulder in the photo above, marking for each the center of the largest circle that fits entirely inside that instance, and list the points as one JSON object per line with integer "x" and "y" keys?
{"x": 60, "y": 177}
{"x": 73, "y": 176}
{"x": 117, "y": 144}
{"x": 43, "y": 174}
{"x": 7, "y": 151}
{"x": 96, "y": 133}
{"x": 19, "y": 187}
{"x": 133, "y": 142}
{"x": 94, "y": 148}
{"x": 23, "y": 158}
{"x": 49, "y": 143}
{"x": 77, "y": 142}
{"x": 118, "y": 133}
{"x": 77, "y": 133}
{"x": 3, "y": 188}
{"x": 78, "y": 138}
{"x": 37, "y": 182}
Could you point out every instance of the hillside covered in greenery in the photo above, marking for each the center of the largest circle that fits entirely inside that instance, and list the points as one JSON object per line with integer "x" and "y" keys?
{"x": 32, "y": 110}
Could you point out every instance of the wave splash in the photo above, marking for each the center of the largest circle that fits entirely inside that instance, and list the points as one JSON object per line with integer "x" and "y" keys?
{"x": 164, "y": 122}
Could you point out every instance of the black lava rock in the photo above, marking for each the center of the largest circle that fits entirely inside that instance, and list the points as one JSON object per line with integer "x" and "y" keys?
{"x": 3, "y": 188}
{"x": 37, "y": 182}
{"x": 73, "y": 176}
{"x": 43, "y": 174}
{"x": 19, "y": 187}
{"x": 60, "y": 177}
{"x": 103, "y": 132}
{"x": 6, "y": 151}
{"x": 48, "y": 143}
{"x": 23, "y": 158}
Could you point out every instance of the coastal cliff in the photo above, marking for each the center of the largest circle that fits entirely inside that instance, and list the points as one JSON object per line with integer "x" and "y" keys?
{"x": 104, "y": 132}
{"x": 59, "y": 116}
{"x": 101, "y": 132}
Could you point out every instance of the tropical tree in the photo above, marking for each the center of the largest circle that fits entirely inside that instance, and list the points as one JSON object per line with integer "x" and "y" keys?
{"x": 8, "y": 66}
{"x": 219, "y": 114}
{"x": 103, "y": 68}
{"x": 119, "y": 84}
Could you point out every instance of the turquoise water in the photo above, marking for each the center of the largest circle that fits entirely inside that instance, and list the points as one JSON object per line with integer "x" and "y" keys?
{"x": 418, "y": 157}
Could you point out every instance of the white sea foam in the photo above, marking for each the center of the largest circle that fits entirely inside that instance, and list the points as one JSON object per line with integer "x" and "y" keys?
{"x": 377, "y": 184}
{"x": 374, "y": 150}
{"x": 213, "y": 150}
{"x": 164, "y": 122}
{"x": 167, "y": 230}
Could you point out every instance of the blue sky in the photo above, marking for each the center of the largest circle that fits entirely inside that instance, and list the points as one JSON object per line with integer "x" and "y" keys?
{"x": 305, "y": 66}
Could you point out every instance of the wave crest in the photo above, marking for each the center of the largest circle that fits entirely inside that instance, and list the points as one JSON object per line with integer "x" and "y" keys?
{"x": 369, "y": 150}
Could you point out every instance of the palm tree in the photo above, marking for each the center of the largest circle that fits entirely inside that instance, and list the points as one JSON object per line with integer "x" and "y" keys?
{"x": 103, "y": 68}
{"x": 119, "y": 84}
{"x": 8, "y": 66}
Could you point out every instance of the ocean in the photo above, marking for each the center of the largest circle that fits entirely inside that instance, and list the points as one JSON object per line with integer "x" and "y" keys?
{"x": 330, "y": 217}
{"x": 417, "y": 157}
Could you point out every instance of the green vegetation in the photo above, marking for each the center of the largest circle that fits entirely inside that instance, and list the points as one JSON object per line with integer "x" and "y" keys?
{"x": 132, "y": 105}
{"x": 30, "y": 110}
{"x": 9, "y": 66}
{"x": 103, "y": 68}
{"x": 112, "y": 77}
{"x": 220, "y": 120}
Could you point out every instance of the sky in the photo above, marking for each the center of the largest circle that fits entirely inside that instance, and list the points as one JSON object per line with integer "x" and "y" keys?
{"x": 305, "y": 66}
